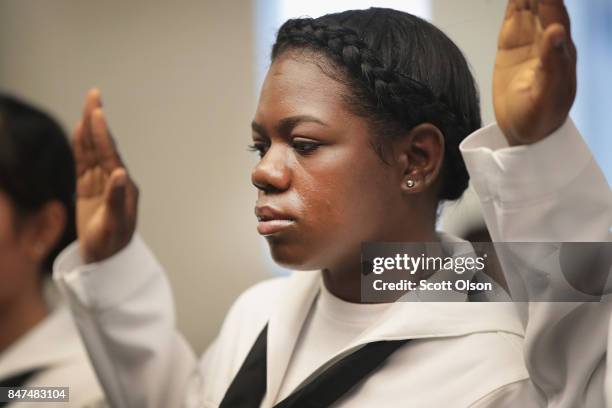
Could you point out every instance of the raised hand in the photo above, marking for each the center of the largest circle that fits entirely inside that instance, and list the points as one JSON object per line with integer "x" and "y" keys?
{"x": 107, "y": 199}
{"x": 534, "y": 82}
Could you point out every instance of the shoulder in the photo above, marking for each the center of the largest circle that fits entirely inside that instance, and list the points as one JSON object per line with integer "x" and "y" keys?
{"x": 262, "y": 293}
{"x": 250, "y": 312}
{"x": 66, "y": 362}
{"x": 258, "y": 301}
{"x": 244, "y": 321}
{"x": 256, "y": 304}
{"x": 473, "y": 366}
{"x": 495, "y": 360}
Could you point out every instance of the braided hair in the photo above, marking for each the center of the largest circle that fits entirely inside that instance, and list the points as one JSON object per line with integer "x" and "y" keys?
{"x": 401, "y": 72}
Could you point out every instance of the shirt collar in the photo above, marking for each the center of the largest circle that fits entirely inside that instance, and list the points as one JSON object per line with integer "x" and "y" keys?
{"x": 51, "y": 342}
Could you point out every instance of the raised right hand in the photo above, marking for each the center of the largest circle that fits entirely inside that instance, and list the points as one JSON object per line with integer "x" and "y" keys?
{"x": 534, "y": 81}
{"x": 107, "y": 198}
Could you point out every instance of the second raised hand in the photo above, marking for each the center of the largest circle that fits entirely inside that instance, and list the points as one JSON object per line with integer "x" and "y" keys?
{"x": 534, "y": 81}
{"x": 107, "y": 198}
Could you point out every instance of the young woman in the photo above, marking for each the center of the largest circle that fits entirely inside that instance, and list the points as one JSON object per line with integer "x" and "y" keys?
{"x": 39, "y": 344}
{"x": 358, "y": 128}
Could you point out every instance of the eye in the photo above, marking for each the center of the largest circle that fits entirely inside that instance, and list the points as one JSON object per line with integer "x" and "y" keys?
{"x": 305, "y": 147}
{"x": 259, "y": 147}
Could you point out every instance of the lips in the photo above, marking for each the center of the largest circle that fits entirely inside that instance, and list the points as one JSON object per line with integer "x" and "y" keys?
{"x": 272, "y": 220}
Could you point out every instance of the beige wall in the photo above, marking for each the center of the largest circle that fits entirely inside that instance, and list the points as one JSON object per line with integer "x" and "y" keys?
{"x": 474, "y": 25}
{"x": 178, "y": 87}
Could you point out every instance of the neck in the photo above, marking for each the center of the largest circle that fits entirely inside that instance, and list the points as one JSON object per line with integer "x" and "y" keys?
{"x": 344, "y": 280}
{"x": 19, "y": 315}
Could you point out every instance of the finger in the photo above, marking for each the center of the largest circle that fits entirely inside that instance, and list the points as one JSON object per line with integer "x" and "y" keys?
{"x": 516, "y": 6}
{"x": 83, "y": 156}
{"x": 555, "y": 54}
{"x": 105, "y": 148}
{"x": 558, "y": 68}
{"x": 520, "y": 25}
{"x": 92, "y": 101}
{"x": 132, "y": 194}
{"x": 553, "y": 11}
{"x": 510, "y": 10}
{"x": 115, "y": 196}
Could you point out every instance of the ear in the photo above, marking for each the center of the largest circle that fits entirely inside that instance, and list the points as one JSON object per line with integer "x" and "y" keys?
{"x": 420, "y": 154}
{"x": 43, "y": 230}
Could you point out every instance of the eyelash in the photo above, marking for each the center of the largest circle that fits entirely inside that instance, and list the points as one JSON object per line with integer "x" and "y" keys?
{"x": 302, "y": 147}
{"x": 306, "y": 147}
{"x": 257, "y": 147}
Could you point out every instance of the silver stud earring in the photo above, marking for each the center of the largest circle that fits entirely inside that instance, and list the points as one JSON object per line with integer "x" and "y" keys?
{"x": 410, "y": 183}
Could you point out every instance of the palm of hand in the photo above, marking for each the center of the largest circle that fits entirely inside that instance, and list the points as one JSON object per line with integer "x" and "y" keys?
{"x": 534, "y": 82}
{"x": 91, "y": 209}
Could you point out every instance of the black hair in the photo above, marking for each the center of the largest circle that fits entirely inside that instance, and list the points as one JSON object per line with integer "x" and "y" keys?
{"x": 36, "y": 164}
{"x": 402, "y": 71}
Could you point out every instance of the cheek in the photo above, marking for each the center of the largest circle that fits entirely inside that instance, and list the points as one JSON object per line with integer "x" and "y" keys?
{"x": 355, "y": 198}
{"x": 344, "y": 204}
{"x": 358, "y": 178}
{"x": 11, "y": 262}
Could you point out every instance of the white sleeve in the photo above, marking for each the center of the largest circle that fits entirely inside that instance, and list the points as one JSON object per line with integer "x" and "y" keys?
{"x": 124, "y": 310}
{"x": 520, "y": 394}
{"x": 550, "y": 191}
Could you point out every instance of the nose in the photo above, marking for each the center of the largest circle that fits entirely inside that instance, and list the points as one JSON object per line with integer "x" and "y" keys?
{"x": 272, "y": 174}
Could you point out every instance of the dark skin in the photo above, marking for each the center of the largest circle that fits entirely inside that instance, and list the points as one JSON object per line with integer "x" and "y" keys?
{"x": 318, "y": 165}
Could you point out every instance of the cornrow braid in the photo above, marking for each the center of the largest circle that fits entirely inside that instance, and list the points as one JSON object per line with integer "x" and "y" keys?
{"x": 394, "y": 101}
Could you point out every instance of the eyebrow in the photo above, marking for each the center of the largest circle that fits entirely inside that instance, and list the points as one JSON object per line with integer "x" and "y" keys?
{"x": 287, "y": 124}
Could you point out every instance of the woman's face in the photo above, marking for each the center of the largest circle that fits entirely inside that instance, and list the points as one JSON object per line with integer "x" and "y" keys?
{"x": 322, "y": 189}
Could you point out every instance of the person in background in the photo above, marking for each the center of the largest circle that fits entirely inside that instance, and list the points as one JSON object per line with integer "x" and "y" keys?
{"x": 39, "y": 345}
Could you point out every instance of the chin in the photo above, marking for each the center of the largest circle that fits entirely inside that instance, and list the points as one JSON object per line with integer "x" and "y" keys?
{"x": 292, "y": 255}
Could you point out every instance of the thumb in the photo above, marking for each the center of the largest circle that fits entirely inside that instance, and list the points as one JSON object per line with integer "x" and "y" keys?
{"x": 556, "y": 57}
{"x": 557, "y": 73}
{"x": 115, "y": 195}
